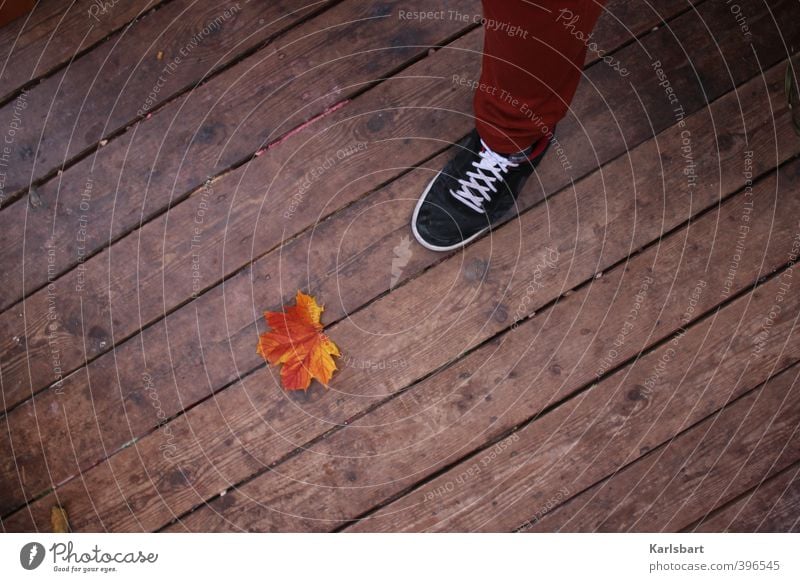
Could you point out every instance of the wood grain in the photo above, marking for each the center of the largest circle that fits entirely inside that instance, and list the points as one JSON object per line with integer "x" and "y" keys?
{"x": 92, "y": 301}
{"x": 772, "y": 506}
{"x": 504, "y": 383}
{"x": 137, "y": 282}
{"x": 156, "y": 58}
{"x": 608, "y": 426}
{"x": 222, "y": 123}
{"x": 53, "y": 34}
{"x": 257, "y": 461}
{"x": 707, "y": 466}
{"x": 277, "y": 422}
{"x": 187, "y": 376}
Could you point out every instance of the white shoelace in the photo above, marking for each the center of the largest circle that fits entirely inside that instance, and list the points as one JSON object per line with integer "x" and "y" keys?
{"x": 489, "y": 168}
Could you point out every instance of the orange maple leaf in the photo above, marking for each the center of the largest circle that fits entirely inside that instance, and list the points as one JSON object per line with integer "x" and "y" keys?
{"x": 297, "y": 342}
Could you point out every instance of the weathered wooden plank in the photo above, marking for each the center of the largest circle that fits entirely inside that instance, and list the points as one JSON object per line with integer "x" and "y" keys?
{"x": 252, "y": 405}
{"x": 158, "y": 57}
{"x": 204, "y": 132}
{"x": 54, "y": 33}
{"x": 218, "y": 225}
{"x": 613, "y": 423}
{"x": 194, "y": 373}
{"x": 772, "y": 506}
{"x": 684, "y": 479}
{"x": 489, "y": 393}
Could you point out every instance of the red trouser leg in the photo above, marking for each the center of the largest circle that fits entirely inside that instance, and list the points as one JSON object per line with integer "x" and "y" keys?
{"x": 532, "y": 61}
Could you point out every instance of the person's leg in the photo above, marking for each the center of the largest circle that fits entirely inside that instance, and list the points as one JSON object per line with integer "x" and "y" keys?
{"x": 533, "y": 55}
{"x": 533, "y": 58}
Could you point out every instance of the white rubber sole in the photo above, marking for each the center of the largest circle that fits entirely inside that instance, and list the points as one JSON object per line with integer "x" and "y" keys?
{"x": 425, "y": 243}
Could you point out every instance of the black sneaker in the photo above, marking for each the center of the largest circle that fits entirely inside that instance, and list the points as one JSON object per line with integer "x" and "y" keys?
{"x": 472, "y": 193}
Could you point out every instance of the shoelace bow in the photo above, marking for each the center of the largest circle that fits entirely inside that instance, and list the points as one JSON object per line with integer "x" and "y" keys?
{"x": 489, "y": 168}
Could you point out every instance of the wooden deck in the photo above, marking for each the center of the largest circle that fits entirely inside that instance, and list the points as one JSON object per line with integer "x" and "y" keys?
{"x": 621, "y": 358}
